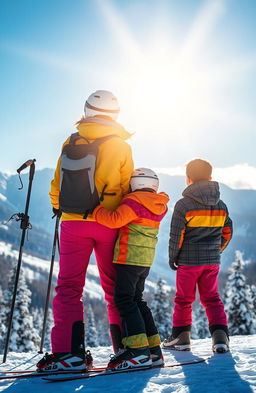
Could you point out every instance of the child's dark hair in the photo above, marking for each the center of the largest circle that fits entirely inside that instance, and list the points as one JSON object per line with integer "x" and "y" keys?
{"x": 198, "y": 169}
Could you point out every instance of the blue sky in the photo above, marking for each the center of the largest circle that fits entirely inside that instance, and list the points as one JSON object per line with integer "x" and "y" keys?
{"x": 184, "y": 73}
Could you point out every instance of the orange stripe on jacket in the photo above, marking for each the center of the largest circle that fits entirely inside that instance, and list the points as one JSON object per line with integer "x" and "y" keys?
{"x": 123, "y": 245}
{"x": 226, "y": 233}
{"x": 193, "y": 213}
{"x": 182, "y": 237}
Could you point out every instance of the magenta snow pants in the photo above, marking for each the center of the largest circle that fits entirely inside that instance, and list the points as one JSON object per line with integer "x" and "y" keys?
{"x": 77, "y": 241}
{"x": 206, "y": 279}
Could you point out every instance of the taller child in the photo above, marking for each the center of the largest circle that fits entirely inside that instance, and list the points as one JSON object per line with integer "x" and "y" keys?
{"x": 200, "y": 230}
{"x": 80, "y": 235}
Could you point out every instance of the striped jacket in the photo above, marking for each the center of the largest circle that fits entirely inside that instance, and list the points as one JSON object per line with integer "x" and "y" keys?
{"x": 138, "y": 218}
{"x": 200, "y": 226}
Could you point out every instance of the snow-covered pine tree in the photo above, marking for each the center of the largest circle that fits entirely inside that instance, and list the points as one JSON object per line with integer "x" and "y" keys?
{"x": 91, "y": 335}
{"x": 253, "y": 292}
{"x": 238, "y": 300}
{"x": 253, "y": 296}
{"x": 194, "y": 334}
{"x": 49, "y": 326}
{"x": 200, "y": 322}
{"x": 162, "y": 309}
{"x": 38, "y": 318}
{"x": 2, "y": 326}
{"x": 37, "y": 313}
{"x": 103, "y": 333}
{"x": 5, "y": 309}
{"x": 24, "y": 336}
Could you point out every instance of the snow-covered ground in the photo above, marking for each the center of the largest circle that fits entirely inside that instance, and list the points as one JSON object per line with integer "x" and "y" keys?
{"x": 234, "y": 372}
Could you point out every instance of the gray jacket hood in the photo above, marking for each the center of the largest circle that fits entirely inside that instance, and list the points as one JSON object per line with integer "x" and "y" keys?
{"x": 204, "y": 192}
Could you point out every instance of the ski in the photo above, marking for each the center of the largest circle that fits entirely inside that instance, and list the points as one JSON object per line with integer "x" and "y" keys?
{"x": 17, "y": 372}
{"x": 22, "y": 374}
{"x": 95, "y": 371}
{"x": 99, "y": 368}
{"x": 109, "y": 372}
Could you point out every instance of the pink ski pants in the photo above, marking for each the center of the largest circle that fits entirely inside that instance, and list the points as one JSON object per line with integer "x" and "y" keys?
{"x": 77, "y": 241}
{"x": 206, "y": 279}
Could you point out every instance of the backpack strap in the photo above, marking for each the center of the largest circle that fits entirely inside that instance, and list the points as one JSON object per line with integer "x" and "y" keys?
{"x": 105, "y": 193}
{"x": 96, "y": 143}
{"x": 99, "y": 141}
{"x": 75, "y": 136}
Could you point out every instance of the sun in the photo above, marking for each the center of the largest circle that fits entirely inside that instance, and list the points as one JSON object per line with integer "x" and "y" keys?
{"x": 168, "y": 94}
{"x": 176, "y": 92}
{"x": 163, "y": 86}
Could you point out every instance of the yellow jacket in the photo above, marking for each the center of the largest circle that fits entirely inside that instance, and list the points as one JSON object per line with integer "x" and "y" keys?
{"x": 114, "y": 163}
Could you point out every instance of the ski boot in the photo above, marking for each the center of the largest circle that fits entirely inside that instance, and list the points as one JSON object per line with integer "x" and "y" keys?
{"x": 130, "y": 358}
{"x": 65, "y": 361}
{"x": 156, "y": 356}
{"x": 179, "y": 343}
{"x": 220, "y": 341}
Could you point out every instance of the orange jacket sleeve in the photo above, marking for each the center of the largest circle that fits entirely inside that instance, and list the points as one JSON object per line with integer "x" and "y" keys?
{"x": 227, "y": 232}
{"x": 114, "y": 219}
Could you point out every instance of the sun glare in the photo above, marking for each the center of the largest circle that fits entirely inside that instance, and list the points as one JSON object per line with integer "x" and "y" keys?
{"x": 165, "y": 93}
{"x": 170, "y": 86}
{"x": 162, "y": 88}
{"x": 176, "y": 87}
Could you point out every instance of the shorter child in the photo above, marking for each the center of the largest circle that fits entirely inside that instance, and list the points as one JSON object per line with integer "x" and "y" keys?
{"x": 200, "y": 231}
{"x": 138, "y": 218}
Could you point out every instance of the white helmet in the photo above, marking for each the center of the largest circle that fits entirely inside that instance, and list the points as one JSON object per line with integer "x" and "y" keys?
{"x": 144, "y": 178}
{"x": 102, "y": 102}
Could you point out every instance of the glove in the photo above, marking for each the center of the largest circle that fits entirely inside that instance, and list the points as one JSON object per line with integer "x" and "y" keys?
{"x": 56, "y": 212}
{"x": 173, "y": 265}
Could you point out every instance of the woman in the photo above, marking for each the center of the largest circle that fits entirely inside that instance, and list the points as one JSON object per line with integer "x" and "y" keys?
{"x": 80, "y": 235}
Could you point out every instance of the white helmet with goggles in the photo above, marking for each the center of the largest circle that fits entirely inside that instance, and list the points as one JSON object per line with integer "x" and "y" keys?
{"x": 102, "y": 102}
{"x": 144, "y": 178}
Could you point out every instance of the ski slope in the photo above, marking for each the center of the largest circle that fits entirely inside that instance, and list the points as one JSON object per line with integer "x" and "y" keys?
{"x": 234, "y": 372}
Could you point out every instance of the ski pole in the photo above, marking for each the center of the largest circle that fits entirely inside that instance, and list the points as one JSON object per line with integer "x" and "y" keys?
{"x": 46, "y": 307}
{"x": 24, "y": 225}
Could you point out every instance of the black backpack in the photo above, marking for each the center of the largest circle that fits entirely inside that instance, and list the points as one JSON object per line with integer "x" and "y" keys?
{"x": 78, "y": 193}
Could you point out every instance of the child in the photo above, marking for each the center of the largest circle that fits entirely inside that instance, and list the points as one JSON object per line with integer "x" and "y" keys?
{"x": 138, "y": 218}
{"x": 200, "y": 230}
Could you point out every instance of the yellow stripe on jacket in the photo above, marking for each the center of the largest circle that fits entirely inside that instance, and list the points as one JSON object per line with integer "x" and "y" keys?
{"x": 206, "y": 218}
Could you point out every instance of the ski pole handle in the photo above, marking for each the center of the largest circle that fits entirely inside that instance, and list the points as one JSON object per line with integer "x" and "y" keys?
{"x": 25, "y": 165}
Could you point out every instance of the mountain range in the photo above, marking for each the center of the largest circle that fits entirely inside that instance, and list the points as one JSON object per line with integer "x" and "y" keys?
{"x": 241, "y": 205}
